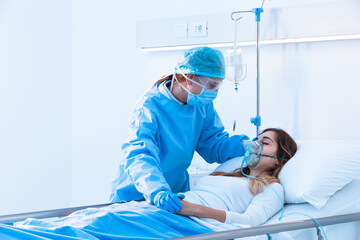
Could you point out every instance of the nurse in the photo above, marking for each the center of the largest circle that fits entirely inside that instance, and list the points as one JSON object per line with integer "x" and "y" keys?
{"x": 175, "y": 118}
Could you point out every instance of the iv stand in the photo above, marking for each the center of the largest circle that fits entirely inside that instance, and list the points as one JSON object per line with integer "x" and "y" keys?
{"x": 256, "y": 120}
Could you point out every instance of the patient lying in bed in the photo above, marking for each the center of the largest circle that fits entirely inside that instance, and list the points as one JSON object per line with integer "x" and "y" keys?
{"x": 220, "y": 201}
{"x": 232, "y": 198}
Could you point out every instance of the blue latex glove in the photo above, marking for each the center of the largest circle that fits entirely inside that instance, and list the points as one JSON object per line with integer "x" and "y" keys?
{"x": 168, "y": 201}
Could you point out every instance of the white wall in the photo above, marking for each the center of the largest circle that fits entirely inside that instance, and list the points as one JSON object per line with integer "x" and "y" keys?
{"x": 35, "y": 105}
{"x": 98, "y": 89}
{"x": 82, "y": 73}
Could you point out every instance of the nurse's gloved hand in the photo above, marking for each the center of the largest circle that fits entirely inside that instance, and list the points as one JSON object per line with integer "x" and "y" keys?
{"x": 168, "y": 201}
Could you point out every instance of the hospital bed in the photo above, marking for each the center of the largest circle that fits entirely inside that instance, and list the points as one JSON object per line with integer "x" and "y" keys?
{"x": 342, "y": 209}
{"x": 340, "y": 219}
{"x": 339, "y": 216}
{"x": 345, "y": 201}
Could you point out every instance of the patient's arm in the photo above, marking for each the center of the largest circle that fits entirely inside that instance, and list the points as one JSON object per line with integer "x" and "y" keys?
{"x": 262, "y": 207}
{"x": 196, "y": 210}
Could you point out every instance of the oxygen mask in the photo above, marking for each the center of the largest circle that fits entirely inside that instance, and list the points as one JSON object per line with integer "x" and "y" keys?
{"x": 253, "y": 153}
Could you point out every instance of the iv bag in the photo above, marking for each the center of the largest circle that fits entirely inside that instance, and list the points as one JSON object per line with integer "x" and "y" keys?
{"x": 235, "y": 70}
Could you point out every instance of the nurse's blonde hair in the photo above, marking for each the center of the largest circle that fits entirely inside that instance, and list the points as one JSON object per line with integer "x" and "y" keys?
{"x": 287, "y": 148}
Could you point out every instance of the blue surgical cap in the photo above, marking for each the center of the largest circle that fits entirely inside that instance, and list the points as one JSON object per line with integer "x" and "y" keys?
{"x": 203, "y": 61}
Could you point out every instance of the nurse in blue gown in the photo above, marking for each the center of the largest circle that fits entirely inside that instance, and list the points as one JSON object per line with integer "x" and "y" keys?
{"x": 175, "y": 118}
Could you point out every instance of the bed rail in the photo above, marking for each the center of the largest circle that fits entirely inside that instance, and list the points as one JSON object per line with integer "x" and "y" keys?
{"x": 230, "y": 234}
{"x": 46, "y": 214}
{"x": 274, "y": 228}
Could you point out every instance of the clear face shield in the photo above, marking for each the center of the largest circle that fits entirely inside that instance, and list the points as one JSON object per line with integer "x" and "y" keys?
{"x": 205, "y": 82}
{"x": 210, "y": 83}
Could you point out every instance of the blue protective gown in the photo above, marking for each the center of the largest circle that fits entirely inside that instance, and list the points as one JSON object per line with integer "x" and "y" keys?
{"x": 163, "y": 135}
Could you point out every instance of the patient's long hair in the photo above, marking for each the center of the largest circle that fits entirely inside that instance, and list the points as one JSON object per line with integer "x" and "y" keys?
{"x": 287, "y": 148}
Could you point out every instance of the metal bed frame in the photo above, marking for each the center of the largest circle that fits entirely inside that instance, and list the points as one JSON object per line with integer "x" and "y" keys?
{"x": 61, "y": 212}
{"x": 276, "y": 228}
{"x": 230, "y": 234}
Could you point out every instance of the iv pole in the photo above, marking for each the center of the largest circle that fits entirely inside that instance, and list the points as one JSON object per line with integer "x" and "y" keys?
{"x": 257, "y": 119}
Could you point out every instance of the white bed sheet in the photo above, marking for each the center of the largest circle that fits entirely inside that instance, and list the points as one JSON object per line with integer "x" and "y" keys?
{"x": 345, "y": 201}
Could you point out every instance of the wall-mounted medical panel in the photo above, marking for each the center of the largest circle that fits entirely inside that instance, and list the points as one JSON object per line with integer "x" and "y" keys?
{"x": 215, "y": 28}
{"x": 312, "y": 20}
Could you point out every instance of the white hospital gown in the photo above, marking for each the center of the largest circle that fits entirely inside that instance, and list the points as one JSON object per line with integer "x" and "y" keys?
{"x": 232, "y": 195}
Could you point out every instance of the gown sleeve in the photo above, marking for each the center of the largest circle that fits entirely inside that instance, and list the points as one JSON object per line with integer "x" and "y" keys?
{"x": 142, "y": 161}
{"x": 262, "y": 207}
{"x": 214, "y": 144}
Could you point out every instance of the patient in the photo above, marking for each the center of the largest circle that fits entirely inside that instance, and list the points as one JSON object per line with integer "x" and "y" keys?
{"x": 234, "y": 198}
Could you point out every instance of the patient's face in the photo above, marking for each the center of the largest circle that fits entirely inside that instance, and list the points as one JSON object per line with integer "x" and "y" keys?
{"x": 270, "y": 147}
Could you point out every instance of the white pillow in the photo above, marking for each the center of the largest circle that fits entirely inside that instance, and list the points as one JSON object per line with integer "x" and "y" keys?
{"x": 319, "y": 169}
{"x": 230, "y": 165}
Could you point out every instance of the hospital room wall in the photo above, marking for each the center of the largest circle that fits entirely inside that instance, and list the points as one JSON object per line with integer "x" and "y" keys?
{"x": 35, "y": 105}
{"x": 309, "y": 89}
{"x": 70, "y": 72}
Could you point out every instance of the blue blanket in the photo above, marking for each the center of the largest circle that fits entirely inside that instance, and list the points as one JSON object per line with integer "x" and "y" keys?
{"x": 133, "y": 220}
